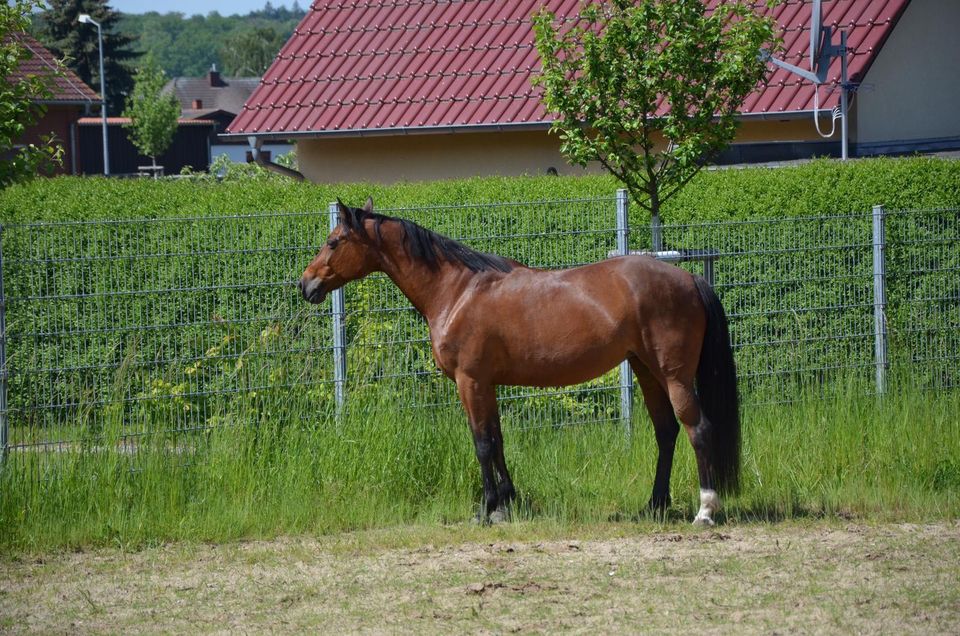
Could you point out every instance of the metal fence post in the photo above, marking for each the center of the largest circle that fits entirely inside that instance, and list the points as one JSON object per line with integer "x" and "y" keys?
{"x": 338, "y": 311}
{"x": 708, "y": 270}
{"x": 880, "y": 297}
{"x": 626, "y": 373}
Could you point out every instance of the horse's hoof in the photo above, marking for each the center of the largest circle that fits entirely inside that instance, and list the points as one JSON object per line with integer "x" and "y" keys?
{"x": 500, "y": 515}
{"x": 703, "y": 521}
{"x": 709, "y": 504}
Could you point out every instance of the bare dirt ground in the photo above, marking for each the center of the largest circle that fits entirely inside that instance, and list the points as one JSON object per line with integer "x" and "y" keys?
{"x": 823, "y": 577}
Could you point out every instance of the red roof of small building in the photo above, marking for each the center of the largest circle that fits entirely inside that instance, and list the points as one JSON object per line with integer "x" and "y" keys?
{"x": 389, "y": 66}
{"x": 65, "y": 86}
{"x": 124, "y": 121}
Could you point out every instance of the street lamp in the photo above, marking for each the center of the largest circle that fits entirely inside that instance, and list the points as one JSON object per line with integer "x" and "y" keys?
{"x": 84, "y": 18}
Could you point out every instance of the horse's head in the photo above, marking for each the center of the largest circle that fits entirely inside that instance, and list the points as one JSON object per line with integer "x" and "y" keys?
{"x": 349, "y": 253}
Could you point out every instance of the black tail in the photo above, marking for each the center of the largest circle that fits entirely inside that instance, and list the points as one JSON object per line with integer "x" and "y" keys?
{"x": 717, "y": 391}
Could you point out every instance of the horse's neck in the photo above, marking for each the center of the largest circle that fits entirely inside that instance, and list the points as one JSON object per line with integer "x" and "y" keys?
{"x": 430, "y": 290}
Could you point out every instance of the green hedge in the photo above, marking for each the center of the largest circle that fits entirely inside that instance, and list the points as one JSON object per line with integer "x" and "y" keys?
{"x": 819, "y": 187}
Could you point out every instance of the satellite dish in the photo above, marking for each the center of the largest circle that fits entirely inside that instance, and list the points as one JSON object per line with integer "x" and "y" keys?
{"x": 822, "y": 51}
{"x": 816, "y": 35}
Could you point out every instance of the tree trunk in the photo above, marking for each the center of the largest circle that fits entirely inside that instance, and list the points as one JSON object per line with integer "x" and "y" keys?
{"x": 655, "y": 228}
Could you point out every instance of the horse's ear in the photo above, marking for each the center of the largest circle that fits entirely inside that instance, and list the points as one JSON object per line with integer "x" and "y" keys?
{"x": 346, "y": 216}
{"x": 342, "y": 211}
{"x": 368, "y": 206}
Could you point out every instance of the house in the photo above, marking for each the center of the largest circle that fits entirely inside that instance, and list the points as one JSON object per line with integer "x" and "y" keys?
{"x": 219, "y": 99}
{"x": 386, "y": 90}
{"x": 190, "y": 147}
{"x": 70, "y": 98}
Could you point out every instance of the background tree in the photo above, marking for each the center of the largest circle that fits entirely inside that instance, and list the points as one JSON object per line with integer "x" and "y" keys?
{"x": 153, "y": 114}
{"x": 249, "y": 53}
{"x": 187, "y": 46}
{"x": 650, "y": 88}
{"x": 60, "y": 32}
{"x": 19, "y": 100}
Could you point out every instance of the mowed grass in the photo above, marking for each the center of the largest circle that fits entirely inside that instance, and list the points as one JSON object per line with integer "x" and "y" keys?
{"x": 290, "y": 471}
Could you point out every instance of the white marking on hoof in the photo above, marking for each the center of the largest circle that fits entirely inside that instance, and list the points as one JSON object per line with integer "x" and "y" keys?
{"x": 500, "y": 515}
{"x": 709, "y": 504}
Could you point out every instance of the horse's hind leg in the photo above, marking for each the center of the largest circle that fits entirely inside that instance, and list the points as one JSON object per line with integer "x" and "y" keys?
{"x": 687, "y": 407}
{"x": 506, "y": 493}
{"x": 480, "y": 402}
{"x": 665, "y": 428}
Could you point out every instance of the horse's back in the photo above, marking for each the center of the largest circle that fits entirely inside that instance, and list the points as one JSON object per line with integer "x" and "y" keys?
{"x": 558, "y": 327}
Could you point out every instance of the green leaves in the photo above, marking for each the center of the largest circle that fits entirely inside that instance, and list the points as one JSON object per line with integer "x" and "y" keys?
{"x": 649, "y": 89}
{"x": 20, "y": 98}
{"x": 153, "y": 115}
{"x": 250, "y": 52}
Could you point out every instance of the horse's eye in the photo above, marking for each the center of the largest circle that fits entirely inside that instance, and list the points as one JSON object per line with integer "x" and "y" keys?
{"x": 332, "y": 243}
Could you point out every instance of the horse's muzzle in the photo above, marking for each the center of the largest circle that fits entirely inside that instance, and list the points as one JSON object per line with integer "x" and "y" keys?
{"x": 312, "y": 290}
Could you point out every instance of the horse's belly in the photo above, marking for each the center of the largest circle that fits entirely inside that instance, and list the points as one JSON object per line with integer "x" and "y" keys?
{"x": 558, "y": 367}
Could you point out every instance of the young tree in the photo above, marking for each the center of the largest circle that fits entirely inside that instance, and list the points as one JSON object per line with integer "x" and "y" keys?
{"x": 153, "y": 114}
{"x": 20, "y": 97}
{"x": 77, "y": 43}
{"x": 650, "y": 88}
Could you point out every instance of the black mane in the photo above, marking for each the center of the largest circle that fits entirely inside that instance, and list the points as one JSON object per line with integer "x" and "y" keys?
{"x": 429, "y": 247}
{"x": 426, "y": 245}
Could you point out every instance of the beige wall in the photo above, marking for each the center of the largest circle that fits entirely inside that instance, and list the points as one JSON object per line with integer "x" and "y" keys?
{"x": 388, "y": 159}
{"x": 912, "y": 91}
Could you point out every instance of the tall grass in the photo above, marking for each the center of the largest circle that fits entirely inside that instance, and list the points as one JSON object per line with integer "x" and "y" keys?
{"x": 846, "y": 454}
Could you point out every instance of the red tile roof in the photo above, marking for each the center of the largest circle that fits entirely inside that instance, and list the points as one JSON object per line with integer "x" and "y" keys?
{"x": 65, "y": 88}
{"x": 368, "y": 66}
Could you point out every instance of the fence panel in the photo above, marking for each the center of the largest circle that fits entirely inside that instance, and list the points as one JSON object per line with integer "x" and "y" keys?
{"x": 798, "y": 293}
{"x": 389, "y": 349}
{"x": 119, "y": 329}
{"x": 923, "y": 295}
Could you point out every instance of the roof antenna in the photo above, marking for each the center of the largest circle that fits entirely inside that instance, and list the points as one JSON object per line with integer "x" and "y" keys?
{"x": 822, "y": 52}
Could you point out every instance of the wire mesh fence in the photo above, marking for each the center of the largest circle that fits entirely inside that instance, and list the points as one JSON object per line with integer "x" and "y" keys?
{"x": 115, "y": 330}
{"x": 799, "y": 296}
{"x": 923, "y": 281}
{"x": 128, "y": 328}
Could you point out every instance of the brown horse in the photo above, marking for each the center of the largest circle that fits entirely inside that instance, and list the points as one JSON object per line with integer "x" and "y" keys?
{"x": 494, "y": 321}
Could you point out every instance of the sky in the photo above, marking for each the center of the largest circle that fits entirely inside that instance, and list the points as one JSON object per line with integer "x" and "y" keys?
{"x": 203, "y": 7}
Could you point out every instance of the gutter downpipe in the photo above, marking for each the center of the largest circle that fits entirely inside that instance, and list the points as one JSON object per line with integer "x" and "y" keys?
{"x": 255, "y": 143}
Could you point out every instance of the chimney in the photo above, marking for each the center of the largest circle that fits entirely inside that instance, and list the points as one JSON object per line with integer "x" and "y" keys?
{"x": 197, "y": 104}
{"x": 214, "y": 77}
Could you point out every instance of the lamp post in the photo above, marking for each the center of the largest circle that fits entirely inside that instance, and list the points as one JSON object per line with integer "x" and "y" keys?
{"x": 84, "y": 18}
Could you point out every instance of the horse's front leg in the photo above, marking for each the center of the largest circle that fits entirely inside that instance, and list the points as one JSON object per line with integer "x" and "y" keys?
{"x": 480, "y": 403}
